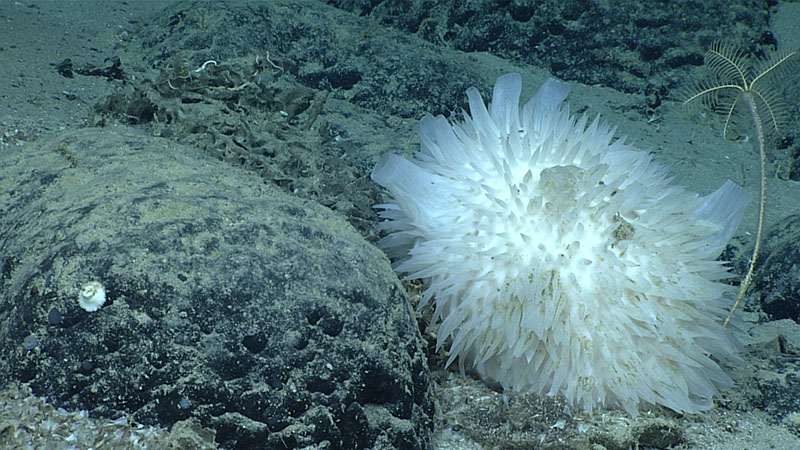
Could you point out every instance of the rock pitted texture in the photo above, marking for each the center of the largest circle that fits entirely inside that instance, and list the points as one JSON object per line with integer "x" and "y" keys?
{"x": 264, "y": 316}
{"x": 629, "y": 45}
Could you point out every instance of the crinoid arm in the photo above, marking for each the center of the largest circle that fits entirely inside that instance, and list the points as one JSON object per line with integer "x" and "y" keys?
{"x": 729, "y": 63}
{"x": 773, "y": 73}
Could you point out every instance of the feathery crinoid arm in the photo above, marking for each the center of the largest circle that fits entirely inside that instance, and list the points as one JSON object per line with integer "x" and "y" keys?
{"x": 773, "y": 72}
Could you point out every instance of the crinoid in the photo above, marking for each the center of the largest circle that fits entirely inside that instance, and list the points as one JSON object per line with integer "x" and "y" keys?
{"x": 737, "y": 80}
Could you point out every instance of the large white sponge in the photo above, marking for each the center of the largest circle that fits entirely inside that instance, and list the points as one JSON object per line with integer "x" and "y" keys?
{"x": 562, "y": 261}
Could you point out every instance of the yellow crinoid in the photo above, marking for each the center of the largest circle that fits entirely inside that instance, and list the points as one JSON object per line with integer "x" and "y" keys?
{"x": 738, "y": 79}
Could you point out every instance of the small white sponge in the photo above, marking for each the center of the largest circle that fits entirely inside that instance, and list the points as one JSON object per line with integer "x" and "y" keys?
{"x": 562, "y": 261}
{"x": 92, "y": 296}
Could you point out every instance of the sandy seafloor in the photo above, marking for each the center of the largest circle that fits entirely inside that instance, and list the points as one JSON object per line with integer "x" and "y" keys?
{"x": 37, "y": 101}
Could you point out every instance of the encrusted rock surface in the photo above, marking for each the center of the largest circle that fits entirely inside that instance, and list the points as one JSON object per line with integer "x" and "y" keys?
{"x": 264, "y": 316}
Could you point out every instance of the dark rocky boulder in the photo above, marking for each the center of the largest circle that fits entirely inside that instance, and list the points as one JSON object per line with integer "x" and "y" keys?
{"x": 266, "y": 317}
{"x": 777, "y": 276}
